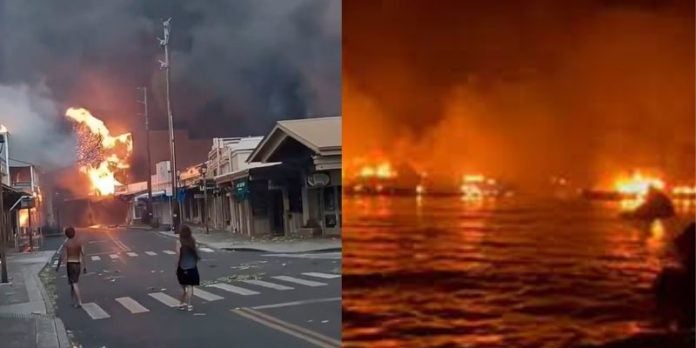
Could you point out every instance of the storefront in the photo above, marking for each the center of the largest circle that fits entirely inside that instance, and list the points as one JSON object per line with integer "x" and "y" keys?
{"x": 304, "y": 192}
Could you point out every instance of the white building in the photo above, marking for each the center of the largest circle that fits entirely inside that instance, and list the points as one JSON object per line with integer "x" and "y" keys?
{"x": 226, "y": 160}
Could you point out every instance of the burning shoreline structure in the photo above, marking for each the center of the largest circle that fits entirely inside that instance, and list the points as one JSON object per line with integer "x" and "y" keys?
{"x": 381, "y": 177}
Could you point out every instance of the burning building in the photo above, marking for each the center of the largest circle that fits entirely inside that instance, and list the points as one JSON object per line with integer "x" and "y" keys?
{"x": 103, "y": 159}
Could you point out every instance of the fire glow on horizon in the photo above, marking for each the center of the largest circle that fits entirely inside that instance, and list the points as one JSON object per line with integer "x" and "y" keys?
{"x": 635, "y": 188}
{"x": 638, "y": 184}
{"x": 101, "y": 155}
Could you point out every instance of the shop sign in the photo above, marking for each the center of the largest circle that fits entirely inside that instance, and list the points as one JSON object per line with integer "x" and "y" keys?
{"x": 241, "y": 190}
{"x": 318, "y": 179}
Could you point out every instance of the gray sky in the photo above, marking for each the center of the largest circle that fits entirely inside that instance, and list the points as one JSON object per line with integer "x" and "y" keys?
{"x": 237, "y": 66}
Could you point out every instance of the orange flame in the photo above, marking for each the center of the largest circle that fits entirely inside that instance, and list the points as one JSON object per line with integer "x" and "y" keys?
{"x": 635, "y": 188}
{"x": 684, "y": 190}
{"x": 382, "y": 170}
{"x": 102, "y": 175}
{"x": 638, "y": 184}
{"x": 23, "y": 217}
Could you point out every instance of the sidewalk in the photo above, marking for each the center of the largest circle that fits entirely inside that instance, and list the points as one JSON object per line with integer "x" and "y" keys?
{"x": 26, "y": 312}
{"x": 231, "y": 241}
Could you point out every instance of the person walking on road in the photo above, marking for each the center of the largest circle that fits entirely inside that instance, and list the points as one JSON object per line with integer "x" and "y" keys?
{"x": 187, "y": 267}
{"x": 72, "y": 254}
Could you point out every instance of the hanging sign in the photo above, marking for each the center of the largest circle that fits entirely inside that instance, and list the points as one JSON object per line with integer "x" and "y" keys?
{"x": 318, "y": 179}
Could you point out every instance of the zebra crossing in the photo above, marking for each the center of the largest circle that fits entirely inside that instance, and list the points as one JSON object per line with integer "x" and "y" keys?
{"x": 211, "y": 292}
{"x": 116, "y": 255}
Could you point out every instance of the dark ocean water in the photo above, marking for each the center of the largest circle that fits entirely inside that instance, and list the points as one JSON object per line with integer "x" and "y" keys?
{"x": 517, "y": 272}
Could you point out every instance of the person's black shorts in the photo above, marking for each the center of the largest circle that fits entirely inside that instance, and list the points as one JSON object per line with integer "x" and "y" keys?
{"x": 73, "y": 272}
{"x": 188, "y": 276}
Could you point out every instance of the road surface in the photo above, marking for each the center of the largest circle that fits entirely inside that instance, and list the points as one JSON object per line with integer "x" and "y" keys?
{"x": 246, "y": 299}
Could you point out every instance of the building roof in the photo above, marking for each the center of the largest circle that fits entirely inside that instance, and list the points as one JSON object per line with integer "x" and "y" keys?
{"x": 321, "y": 135}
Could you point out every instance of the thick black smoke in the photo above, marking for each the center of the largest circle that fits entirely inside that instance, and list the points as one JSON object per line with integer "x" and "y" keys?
{"x": 237, "y": 66}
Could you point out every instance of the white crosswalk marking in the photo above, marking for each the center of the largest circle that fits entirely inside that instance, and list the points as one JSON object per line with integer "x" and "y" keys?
{"x": 96, "y": 258}
{"x": 299, "y": 281}
{"x": 151, "y": 253}
{"x": 113, "y": 256}
{"x": 234, "y": 289}
{"x": 164, "y": 298}
{"x": 206, "y": 295}
{"x": 267, "y": 284}
{"x": 168, "y": 252}
{"x": 207, "y": 250}
{"x": 94, "y": 311}
{"x": 131, "y": 305}
{"x": 132, "y": 254}
{"x": 322, "y": 275}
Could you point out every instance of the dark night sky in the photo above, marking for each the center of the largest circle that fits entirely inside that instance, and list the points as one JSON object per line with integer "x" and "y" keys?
{"x": 522, "y": 89}
{"x": 237, "y": 66}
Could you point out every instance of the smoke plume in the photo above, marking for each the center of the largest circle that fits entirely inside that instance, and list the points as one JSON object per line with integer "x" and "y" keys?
{"x": 36, "y": 133}
{"x": 236, "y": 66}
{"x": 523, "y": 90}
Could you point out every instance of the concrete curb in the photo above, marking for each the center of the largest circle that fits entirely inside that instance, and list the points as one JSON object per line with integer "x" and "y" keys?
{"x": 56, "y": 329}
{"x": 323, "y": 250}
{"x": 259, "y": 249}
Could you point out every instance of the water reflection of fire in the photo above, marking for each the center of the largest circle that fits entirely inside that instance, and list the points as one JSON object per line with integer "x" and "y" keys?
{"x": 100, "y": 154}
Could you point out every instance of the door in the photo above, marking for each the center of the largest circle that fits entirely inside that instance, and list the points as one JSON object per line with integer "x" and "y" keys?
{"x": 277, "y": 225}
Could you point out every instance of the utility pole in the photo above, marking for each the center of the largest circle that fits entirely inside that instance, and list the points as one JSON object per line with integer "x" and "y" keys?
{"x": 3, "y": 225}
{"x": 174, "y": 206}
{"x": 3, "y": 234}
{"x": 203, "y": 171}
{"x": 148, "y": 212}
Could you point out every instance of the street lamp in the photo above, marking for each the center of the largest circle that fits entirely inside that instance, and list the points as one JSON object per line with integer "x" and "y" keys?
{"x": 203, "y": 169}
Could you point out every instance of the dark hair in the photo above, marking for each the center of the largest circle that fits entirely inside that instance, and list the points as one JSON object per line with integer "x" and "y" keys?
{"x": 185, "y": 237}
{"x": 70, "y": 232}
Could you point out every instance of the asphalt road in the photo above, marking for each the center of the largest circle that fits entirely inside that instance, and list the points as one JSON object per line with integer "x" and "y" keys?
{"x": 250, "y": 299}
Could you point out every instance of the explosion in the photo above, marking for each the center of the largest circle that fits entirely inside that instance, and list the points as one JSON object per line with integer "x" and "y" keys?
{"x": 100, "y": 154}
